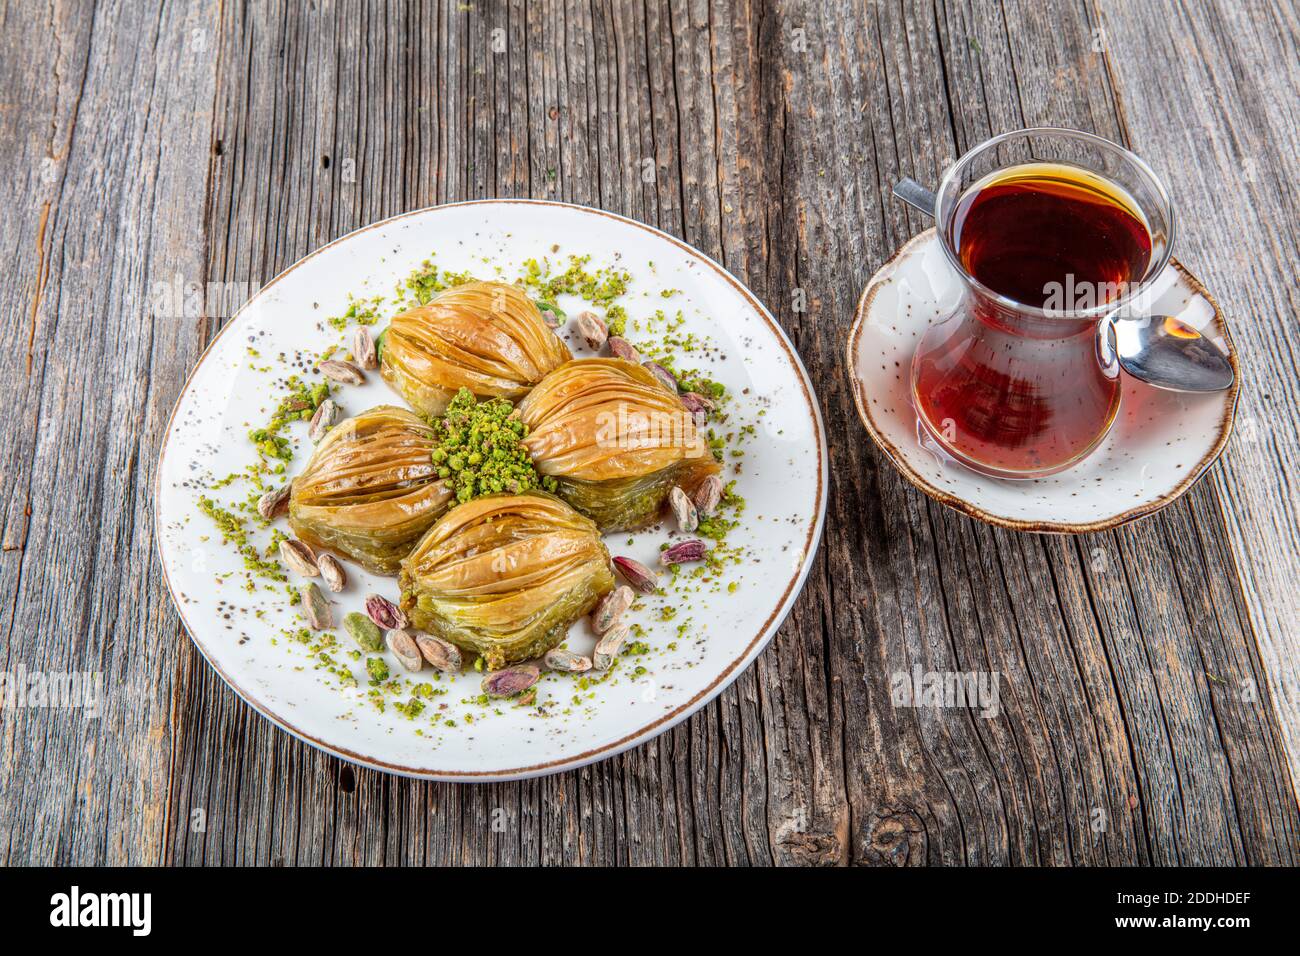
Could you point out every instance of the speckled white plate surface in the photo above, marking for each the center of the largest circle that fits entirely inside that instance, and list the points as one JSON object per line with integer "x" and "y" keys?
{"x": 783, "y": 481}
{"x": 1160, "y": 443}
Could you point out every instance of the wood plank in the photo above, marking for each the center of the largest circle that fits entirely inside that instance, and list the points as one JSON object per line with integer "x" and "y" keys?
{"x": 1109, "y": 747}
{"x": 767, "y": 135}
{"x": 1227, "y": 73}
{"x": 105, "y": 129}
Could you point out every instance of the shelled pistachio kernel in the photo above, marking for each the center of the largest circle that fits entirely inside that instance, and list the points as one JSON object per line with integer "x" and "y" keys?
{"x": 331, "y": 571}
{"x": 404, "y": 648}
{"x": 558, "y": 659}
{"x": 511, "y": 680}
{"x": 315, "y": 608}
{"x": 300, "y": 558}
{"x": 611, "y": 608}
{"x": 364, "y": 632}
{"x": 442, "y": 655}
{"x": 608, "y": 647}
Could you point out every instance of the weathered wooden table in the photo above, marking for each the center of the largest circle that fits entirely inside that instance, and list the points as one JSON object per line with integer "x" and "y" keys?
{"x": 1150, "y": 695}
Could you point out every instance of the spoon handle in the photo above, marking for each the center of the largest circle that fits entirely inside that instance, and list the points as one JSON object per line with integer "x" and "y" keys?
{"x": 915, "y": 195}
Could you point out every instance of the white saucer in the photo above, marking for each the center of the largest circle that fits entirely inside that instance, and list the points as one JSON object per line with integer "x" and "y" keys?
{"x": 1162, "y": 442}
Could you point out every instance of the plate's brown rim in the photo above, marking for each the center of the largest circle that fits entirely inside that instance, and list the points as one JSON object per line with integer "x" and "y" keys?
{"x": 879, "y": 278}
{"x": 664, "y": 722}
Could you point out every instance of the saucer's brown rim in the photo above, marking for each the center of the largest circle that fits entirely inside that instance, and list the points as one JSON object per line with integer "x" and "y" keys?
{"x": 960, "y": 504}
{"x": 665, "y": 722}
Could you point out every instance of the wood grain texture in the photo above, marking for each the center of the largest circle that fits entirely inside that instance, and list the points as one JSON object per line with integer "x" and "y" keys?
{"x": 1230, "y": 163}
{"x": 106, "y": 129}
{"x": 768, "y": 136}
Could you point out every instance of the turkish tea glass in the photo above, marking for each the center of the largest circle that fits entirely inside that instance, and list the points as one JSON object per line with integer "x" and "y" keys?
{"x": 1024, "y": 389}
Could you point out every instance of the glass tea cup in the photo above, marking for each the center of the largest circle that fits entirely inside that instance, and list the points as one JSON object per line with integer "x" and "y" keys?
{"x": 1052, "y": 232}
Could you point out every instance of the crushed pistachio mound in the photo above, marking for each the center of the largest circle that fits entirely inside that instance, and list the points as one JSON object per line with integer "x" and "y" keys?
{"x": 480, "y": 450}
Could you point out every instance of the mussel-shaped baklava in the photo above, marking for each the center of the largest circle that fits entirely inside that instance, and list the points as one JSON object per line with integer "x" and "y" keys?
{"x": 488, "y": 337}
{"x": 505, "y": 575}
{"x": 615, "y": 439}
{"x": 371, "y": 489}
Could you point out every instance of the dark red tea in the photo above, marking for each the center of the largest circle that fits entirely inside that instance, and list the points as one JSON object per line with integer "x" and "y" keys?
{"x": 1039, "y": 228}
{"x": 1008, "y": 391}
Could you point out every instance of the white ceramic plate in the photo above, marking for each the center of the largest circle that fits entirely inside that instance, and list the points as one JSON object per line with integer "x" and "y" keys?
{"x": 783, "y": 480}
{"x": 1160, "y": 443}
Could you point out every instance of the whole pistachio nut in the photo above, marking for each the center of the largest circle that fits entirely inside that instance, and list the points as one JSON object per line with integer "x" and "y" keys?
{"x": 591, "y": 328}
{"x": 552, "y": 314}
{"x": 620, "y": 347}
{"x": 698, "y": 406}
{"x": 697, "y": 402}
{"x": 662, "y": 374}
{"x": 708, "y": 496}
{"x": 684, "y": 552}
{"x": 327, "y": 415}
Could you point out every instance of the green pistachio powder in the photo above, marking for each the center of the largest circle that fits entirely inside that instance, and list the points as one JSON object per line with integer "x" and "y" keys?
{"x": 480, "y": 451}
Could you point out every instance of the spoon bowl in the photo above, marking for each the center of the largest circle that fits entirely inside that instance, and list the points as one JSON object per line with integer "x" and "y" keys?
{"x": 1166, "y": 353}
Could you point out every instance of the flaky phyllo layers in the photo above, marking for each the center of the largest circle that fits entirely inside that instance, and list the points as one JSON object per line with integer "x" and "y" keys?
{"x": 615, "y": 439}
{"x": 505, "y": 575}
{"x": 487, "y": 337}
{"x": 371, "y": 489}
